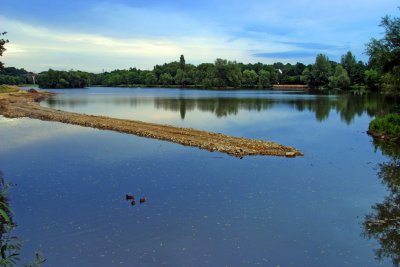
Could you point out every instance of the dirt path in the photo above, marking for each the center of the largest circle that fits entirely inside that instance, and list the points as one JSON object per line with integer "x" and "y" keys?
{"x": 26, "y": 104}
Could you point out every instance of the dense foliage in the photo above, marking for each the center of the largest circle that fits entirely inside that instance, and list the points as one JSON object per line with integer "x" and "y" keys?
{"x": 14, "y": 76}
{"x": 384, "y": 62}
{"x": 347, "y": 74}
{"x": 63, "y": 79}
{"x": 388, "y": 124}
{"x": 385, "y": 55}
{"x": 2, "y": 48}
{"x": 220, "y": 74}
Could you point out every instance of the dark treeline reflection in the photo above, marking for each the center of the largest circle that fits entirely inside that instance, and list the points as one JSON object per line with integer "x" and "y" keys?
{"x": 383, "y": 223}
{"x": 10, "y": 245}
{"x": 347, "y": 105}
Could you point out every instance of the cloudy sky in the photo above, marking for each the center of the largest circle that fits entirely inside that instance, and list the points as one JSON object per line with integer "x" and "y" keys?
{"x": 96, "y": 35}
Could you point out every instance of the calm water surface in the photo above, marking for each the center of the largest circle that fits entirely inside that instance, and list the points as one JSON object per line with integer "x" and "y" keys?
{"x": 202, "y": 208}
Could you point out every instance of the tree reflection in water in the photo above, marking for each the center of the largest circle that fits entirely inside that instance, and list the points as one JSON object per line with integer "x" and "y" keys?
{"x": 347, "y": 105}
{"x": 383, "y": 223}
{"x": 9, "y": 244}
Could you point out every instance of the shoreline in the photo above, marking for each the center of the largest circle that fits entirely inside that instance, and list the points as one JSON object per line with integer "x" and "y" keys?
{"x": 300, "y": 88}
{"x": 26, "y": 104}
{"x": 384, "y": 137}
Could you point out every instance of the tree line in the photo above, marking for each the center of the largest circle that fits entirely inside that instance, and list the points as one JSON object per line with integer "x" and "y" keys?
{"x": 222, "y": 74}
{"x": 14, "y": 76}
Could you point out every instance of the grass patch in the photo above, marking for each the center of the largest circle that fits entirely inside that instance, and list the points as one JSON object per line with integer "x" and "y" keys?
{"x": 388, "y": 124}
{"x": 8, "y": 89}
{"x": 28, "y": 85}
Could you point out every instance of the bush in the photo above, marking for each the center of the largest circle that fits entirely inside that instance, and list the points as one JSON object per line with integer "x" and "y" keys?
{"x": 386, "y": 125}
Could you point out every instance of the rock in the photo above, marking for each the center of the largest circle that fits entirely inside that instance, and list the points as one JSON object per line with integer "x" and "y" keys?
{"x": 290, "y": 154}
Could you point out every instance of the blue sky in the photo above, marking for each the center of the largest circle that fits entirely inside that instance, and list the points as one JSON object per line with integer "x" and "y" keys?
{"x": 105, "y": 35}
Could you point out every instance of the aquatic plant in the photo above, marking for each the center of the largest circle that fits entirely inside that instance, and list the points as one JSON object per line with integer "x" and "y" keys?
{"x": 388, "y": 124}
{"x": 10, "y": 245}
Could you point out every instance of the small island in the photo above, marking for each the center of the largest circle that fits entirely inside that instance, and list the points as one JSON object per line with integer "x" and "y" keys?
{"x": 18, "y": 103}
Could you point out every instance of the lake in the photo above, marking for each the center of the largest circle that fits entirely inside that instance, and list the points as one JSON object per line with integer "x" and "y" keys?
{"x": 202, "y": 208}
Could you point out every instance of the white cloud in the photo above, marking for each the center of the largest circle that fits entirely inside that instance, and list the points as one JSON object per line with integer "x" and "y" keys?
{"x": 108, "y": 35}
{"x": 22, "y": 132}
{"x": 39, "y": 48}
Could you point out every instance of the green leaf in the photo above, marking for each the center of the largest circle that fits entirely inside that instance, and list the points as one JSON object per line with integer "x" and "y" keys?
{"x": 5, "y": 216}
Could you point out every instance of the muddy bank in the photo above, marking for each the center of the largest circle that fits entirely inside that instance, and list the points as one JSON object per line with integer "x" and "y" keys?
{"x": 385, "y": 137}
{"x": 26, "y": 104}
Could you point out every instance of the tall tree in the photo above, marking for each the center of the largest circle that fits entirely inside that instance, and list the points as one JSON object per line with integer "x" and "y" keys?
{"x": 349, "y": 63}
{"x": 384, "y": 54}
{"x": 227, "y": 73}
{"x": 264, "y": 79}
{"x": 2, "y": 48}
{"x": 182, "y": 62}
{"x": 321, "y": 70}
{"x": 249, "y": 78}
{"x": 340, "y": 79}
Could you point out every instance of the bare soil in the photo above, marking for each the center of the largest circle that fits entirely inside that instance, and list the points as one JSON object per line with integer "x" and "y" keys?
{"x": 26, "y": 104}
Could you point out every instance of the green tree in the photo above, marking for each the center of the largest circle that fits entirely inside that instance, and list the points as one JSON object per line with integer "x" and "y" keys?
{"x": 359, "y": 73}
{"x": 321, "y": 70}
{"x": 205, "y": 74}
{"x": 2, "y": 48}
{"x": 180, "y": 77}
{"x": 166, "y": 79}
{"x": 249, "y": 78}
{"x": 340, "y": 79}
{"x": 227, "y": 73}
{"x": 170, "y": 68}
{"x": 63, "y": 79}
{"x": 306, "y": 76}
{"x": 264, "y": 79}
{"x": 349, "y": 63}
{"x": 133, "y": 77}
{"x": 372, "y": 79}
{"x": 150, "y": 78}
{"x": 182, "y": 62}
{"x": 384, "y": 54}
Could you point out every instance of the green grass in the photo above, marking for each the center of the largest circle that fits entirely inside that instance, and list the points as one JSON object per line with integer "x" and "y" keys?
{"x": 388, "y": 124}
{"x": 8, "y": 89}
{"x": 28, "y": 85}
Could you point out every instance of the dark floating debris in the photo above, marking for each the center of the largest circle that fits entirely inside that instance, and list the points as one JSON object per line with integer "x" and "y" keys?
{"x": 129, "y": 197}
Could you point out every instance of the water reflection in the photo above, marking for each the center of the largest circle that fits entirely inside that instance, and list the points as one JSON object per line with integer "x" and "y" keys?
{"x": 347, "y": 105}
{"x": 9, "y": 244}
{"x": 383, "y": 223}
{"x": 4, "y": 203}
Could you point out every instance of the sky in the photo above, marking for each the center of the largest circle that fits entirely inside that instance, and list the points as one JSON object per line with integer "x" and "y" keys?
{"x": 101, "y": 35}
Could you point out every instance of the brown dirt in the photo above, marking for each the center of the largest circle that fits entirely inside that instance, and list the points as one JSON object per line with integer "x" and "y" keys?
{"x": 26, "y": 104}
